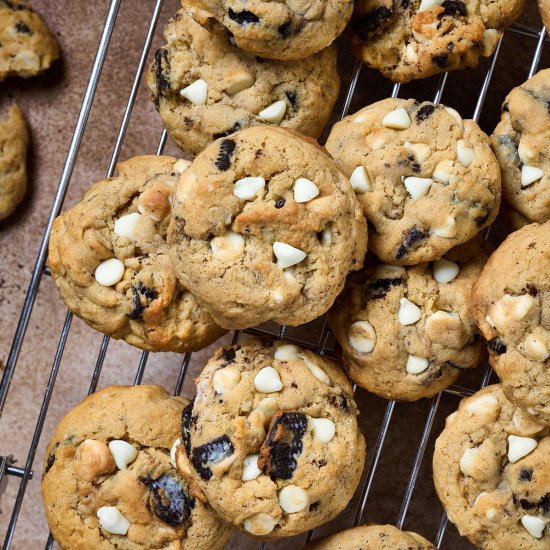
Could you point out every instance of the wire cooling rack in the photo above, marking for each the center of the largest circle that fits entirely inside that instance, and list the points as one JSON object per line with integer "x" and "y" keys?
{"x": 321, "y": 341}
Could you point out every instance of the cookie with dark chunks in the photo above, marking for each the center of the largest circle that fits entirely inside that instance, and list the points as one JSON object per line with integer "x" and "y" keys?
{"x": 109, "y": 260}
{"x": 427, "y": 180}
{"x": 265, "y": 227}
{"x": 110, "y": 480}
{"x": 372, "y": 537}
{"x": 205, "y": 88}
{"x": 492, "y": 473}
{"x": 411, "y": 39}
{"x": 511, "y": 304}
{"x": 284, "y": 30}
{"x": 406, "y": 333}
{"x": 27, "y": 47}
{"x": 271, "y": 440}
{"x": 521, "y": 144}
{"x": 14, "y": 140}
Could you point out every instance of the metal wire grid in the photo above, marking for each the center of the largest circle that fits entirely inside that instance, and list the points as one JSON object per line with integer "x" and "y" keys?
{"x": 321, "y": 345}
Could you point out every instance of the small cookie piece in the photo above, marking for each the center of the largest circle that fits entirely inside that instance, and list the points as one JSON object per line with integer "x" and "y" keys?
{"x": 109, "y": 261}
{"x": 372, "y": 537}
{"x": 27, "y": 47}
{"x": 14, "y": 140}
{"x": 271, "y": 440}
{"x": 406, "y": 333}
{"x": 109, "y": 482}
{"x": 427, "y": 180}
{"x": 511, "y": 304}
{"x": 521, "y": 144}
{"x": 492, "y": 473}
{"x": 206, "y": 88}
{"x": 412, "y": 39}
{"x": 265, "y": 227}
{"x": 285, "y": 30}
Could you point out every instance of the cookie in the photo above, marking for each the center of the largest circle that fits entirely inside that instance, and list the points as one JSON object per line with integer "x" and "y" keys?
{"x": 511, "y": 304}
{"x": 14, "y": 140}
{"x": 406, "y": 333}
{"x": 27, "y": 47}
{"x": 492, "y": 473}
{"x": 206, "y": 88}
{"x": 285, "y": 30}
{"x": 521, "y": 144}
{"x": 271, "y": 440}
{"x": 372, "y": 537}
{"x": 108, "y": 257}
{"x": 427, "y": 180}
{"x": 544, "y": 10}
{"x": 109, "y": 479}
{"x": 412, "y": 39}
{"x": 265, "y": 227}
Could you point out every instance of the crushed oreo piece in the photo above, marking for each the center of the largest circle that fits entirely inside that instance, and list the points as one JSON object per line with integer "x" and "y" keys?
{"x": 143, "y": 297}
{"x": 23, "y": 28}
{"x": 162, "y": 70}
{"x": 227, "y": 148}
{"x": 292, "y": 96}
{"x": 531, "y": 289}
{"x": 526, "y": 474}
{"x": 526, "y": 505}
{"x": 228, "y": 355}
{"x": 379, "y": 288}
{"x": 454, "y": 7}
{"x": 186, "y": 418}
{"x": 243, "y": 18}
{"x": 497, "y": 345}
{"x": 235, "y": 128}
{"x": 424, "y": 112}
{"x": 441, "y": 60}
{"x": 339, "y": 402}
{"x": 544, "y": 504}
{"x": 50, "y": 461}
{"x": 372, "y": 23}
{"x": 280, "y": 202}
{"x": 203, "y": 456}
{"x": 414, "y": 236}
{"x": 285, "y": 30}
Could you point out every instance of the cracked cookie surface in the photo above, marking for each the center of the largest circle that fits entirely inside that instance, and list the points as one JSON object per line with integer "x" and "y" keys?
{"x": 411, "y": 39}
{"x": 265, "y": 227}
{"x": 406, "y": 333}
{"x": 286, "y": 30}
{"x": 271, "y": 440}
{"x": 111, "y": 453}
{"x": 511, "y": 304}
{"x": 27, "y": 47}
{"x": 492, "y": 473}
{"x": 427, "y": 179}
{"x": 109, "y": 260}
{"x": 238, "y": 89}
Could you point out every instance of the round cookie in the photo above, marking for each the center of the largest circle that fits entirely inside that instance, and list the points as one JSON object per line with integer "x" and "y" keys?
{"x": 406, "y": 333}
{"x": 408, "y": 40}
{"x": 14, "y": 140}
{"x": 372, "y": 537}
{"x": 427, "y": 180}
{"x": 206, "y": 88}
{"x": 521, "y": 144}
{"x": 492, "y": 473}
{"x": 265, "y": 227}
{"x": 271, "y": 440}
{"x": 109, "y": 260}
{"x": 109, "y": 480}
{"x": 285, "y": 30}
{"x": 27, "y": 47}
{"x": 511, "y": 304}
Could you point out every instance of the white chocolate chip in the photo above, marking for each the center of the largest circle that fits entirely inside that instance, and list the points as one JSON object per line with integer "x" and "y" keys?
{"x": 398, "y": 119}
{"x": 304, "y": 190}
{"x": 445, "y": 271}
{"x": 126, "y": 225}
{"x": 525, "y": 154}
{"x": 362, "y": 336}
{"x": 247, "y": 189}
{"x": 359, "y": 180}
{"x": 426, "y": 5}
{"x": 227, "y": 247}
{"x": 226, "y": 379}
{"x": 483, "y": 404}
{"x": 123, "y": 453}
{"x": 468, "y": 461}
{"x": 196, "y": 93}
{"x": 274, "y": 113}
{"x": 417, "y": 187}
{"x": 455, "y": 115}
{"x": 324, "y": 429}
{"x": 443, "y": 171}
{"x": 238, "y": 82}
{"x": 286, "y": 352}
{"x": 409, "y": 313}
{"x": 446, "y": 231}
{"x": 278, "y": 296}
{"x": 287, "y": 255}
{"x": 181, "y": 165}
{"x": 259, "y": 524}
{"x": 464, "y": 154}
{"x": 173, "y": 452}
{"x": 112, "y": 520}
{"x": 489, "y": 320}
{"x": 109, "y": 272}
{"x": 410, "y": 53}
{"x": 421, "y": 151}
{"x": 268, "y": 406}
{"x": 491, "y": 513}
{"x": 416, "y": 365}
{"x": 518, "y": 447}
{"x": 535, "y": 348}
{"x": 293, "y": 499}
{"x": 317, "y": 371}
{"x": 534, "y": 525}
{"x": 530, "y": 174}
{"x": 510, "y": 308}
{"x": 268, "y": 380}
{"x": 378, "y": 143}
{"x": 250, "y": 468}
{"x": 326, "y": 237}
